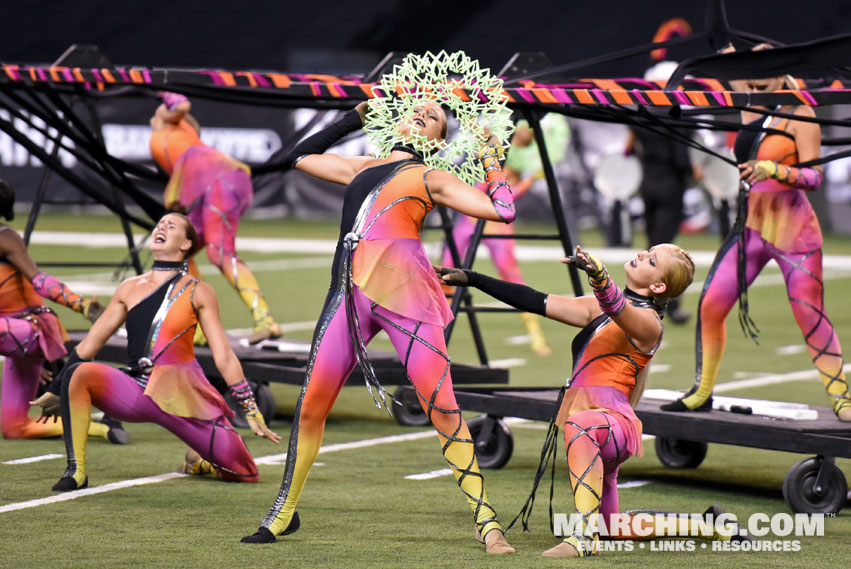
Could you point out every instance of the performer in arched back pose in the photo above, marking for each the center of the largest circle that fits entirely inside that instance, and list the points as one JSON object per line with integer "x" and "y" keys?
{"x": 382, "y": 279}
{"x": 621, "y": 331}
{"x": 775, "y": 222}
{"x": 163, "y": 383}
{"x": 214, "y": 190}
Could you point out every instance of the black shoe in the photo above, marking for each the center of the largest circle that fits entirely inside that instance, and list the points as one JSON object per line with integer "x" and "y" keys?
{"x": 68, "y": 484}
{"x": 679, "y": 316}
{"x": 737, "y": 533}
{"x": 679, "y": 407}
{"x": 294, "y": 525}
{"x": 116, "y": 435}
{"x": 263, "y": 535}
{"x": 675, "y": 313}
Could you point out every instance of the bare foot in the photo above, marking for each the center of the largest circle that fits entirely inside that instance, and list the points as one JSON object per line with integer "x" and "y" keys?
{"x": 496, "y": 544}
{"x": 266, "y": 333}
{"x": 563, "y": 549}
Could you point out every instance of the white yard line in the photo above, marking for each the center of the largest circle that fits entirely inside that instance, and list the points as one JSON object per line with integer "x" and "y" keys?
{"x": 270, "y": 459}
{"x": 508, "y": 362}
{"x": 31, "y": 459}
{"x": 273, "y": 458}
{"x": 430, "y": 475}
{"x": 326, "y": 246}
{"x": 89, "y": 491}
{"x": 773, "y": 379}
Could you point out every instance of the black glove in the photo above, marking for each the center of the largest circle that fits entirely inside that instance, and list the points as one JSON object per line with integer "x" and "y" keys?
{"x": 457, "y": 277}
{"x": 519, "y": 296}
{"x": 325, "y": 138}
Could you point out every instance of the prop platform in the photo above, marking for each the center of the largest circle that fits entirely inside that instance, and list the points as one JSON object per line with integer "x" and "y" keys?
{"x": 284, "y": 361}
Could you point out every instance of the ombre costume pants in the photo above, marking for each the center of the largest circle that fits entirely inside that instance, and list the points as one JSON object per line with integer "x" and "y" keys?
{"x": 422, "y": 350}
{"x": 121, "y": 397}
{"x": 802, "y": 273}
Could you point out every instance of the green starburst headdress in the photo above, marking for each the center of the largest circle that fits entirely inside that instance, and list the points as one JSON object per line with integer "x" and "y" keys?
{"x": 454, "y": 81}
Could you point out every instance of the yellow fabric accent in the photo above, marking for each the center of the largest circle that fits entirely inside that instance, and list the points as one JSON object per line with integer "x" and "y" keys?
{"x": 769, "y": 166}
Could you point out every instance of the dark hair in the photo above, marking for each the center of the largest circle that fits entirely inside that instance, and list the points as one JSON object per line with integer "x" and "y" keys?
{"x": 191, "y": 233}
{"x": 7, "y": 200}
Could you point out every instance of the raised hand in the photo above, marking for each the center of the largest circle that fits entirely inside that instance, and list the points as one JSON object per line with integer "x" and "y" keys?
{"x": 587, "y": 262}
{"x": 363, "y": 110}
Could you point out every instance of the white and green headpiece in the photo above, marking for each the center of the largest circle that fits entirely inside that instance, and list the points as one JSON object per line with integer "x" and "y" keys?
{"x": 454, "y": 81}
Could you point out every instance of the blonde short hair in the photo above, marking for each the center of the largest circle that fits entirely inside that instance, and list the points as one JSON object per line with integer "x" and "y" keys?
{"x": 679, "y": 274}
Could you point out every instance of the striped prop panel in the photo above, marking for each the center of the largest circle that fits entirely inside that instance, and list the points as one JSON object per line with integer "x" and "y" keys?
{"x": 695, "y": 92}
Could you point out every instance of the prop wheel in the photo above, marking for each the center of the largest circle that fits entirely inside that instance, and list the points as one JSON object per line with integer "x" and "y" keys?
{"x": 680, "y": 453}
{"x": 410, "y": 413}
{"x": 265, "y": 402}
{"x": 815, "y": 486}
{"x": 494, "y": 441}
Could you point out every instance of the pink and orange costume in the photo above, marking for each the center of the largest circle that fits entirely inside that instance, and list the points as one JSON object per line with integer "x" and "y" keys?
{"x": 163, "y": 384}
{"x": 382, "y": 279}
{"x": 30, "y": 334}
{"x": 214, "y": 190}
{"x": 601, "y": 430}
{"x": 780, "y": 224}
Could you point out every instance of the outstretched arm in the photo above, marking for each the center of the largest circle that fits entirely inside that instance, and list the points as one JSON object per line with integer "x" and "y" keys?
{"x": 226, "y": 361}
{"x": 496, "y": 205}
{"x": 47, "y": 286}
{"x": 308, "y": 155}
{"x": 569, "y": 310}
{"x": 113, "y": 316}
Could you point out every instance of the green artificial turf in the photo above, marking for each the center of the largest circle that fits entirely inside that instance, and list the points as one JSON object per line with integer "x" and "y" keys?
{"x": 358, "y": 509}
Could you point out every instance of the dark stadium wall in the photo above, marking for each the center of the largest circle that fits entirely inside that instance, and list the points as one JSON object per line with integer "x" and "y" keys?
{"x": 342, "y": 37}
{"x": 282, "y": 35}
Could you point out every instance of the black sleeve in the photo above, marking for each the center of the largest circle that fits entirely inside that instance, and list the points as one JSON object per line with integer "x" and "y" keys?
{"x": 324, "y": 139}
{"x": 519, "y": 296}
{"x": 55, "y": 386}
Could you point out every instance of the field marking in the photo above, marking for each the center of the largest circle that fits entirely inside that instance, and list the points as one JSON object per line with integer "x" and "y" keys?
{"x": 276, "y": 458}
{"x": 272, "y": 458}
{"x": 89, "y": 491}
{"x": 326, "y": 246}
{"x": 793, "y": 349}
{"x": 773, "y": 379}
{"x": 508, "y": 362}
{"x": 430, "y": 475}
{"x": 269, "y": 459}
{"x": 634, "y": 484}
{"x": 31, "y": 459}
{"x": 835, "y": 266}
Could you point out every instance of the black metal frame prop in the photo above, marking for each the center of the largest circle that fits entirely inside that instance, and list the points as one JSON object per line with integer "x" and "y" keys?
{"x": 45, "y": 97}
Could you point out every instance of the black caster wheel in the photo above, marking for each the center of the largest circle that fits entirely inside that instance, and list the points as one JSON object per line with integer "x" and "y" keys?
{"x": 494, "y": 441}
{"x": 815, "y": 486}
{"x": 680, "y": 453}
